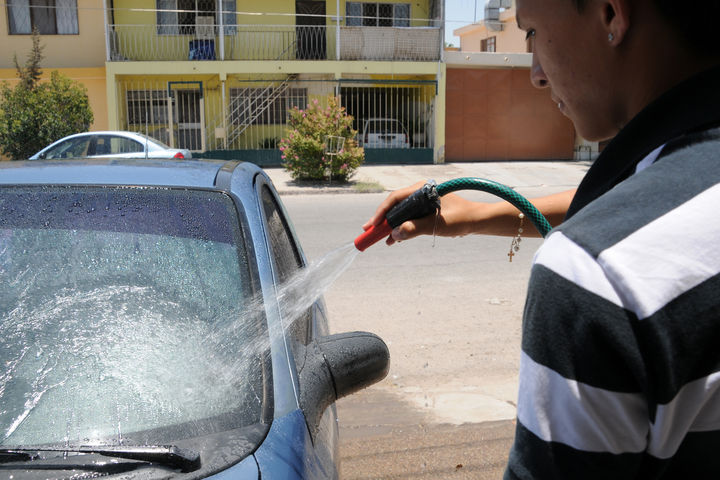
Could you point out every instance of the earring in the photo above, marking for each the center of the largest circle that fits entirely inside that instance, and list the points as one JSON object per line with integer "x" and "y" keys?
{"x": 611, "y": 37}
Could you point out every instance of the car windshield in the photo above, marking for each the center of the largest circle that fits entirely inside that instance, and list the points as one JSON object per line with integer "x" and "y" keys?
{"x": 124, "y": 318}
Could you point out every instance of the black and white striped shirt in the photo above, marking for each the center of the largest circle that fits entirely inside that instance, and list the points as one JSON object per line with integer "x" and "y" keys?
{"x": 620, "y": 366}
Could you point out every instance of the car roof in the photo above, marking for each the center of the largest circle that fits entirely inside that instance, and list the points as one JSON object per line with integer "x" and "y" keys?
{"x": 120, "y": 133}
{"x": 123, "y": 171}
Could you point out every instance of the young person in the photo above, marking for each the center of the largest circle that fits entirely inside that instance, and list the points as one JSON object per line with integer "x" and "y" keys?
{"x": 620, "y": 366}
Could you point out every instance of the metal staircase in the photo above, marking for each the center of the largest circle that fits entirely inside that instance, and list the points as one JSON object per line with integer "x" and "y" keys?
{"x": 246, "y": 108}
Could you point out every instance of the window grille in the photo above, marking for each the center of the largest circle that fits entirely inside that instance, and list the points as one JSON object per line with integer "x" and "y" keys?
{"x": 146, "y": 107}
{"x": 180, "y": 17}
{"x": 372, "y": 14}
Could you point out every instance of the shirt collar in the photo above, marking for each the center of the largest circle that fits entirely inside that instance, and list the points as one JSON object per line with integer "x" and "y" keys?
{"x": 649, "y": 159}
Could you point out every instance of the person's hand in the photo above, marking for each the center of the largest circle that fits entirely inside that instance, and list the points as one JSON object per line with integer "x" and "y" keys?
{"x": 393, "y": 199}
{"x": 451, "y": 220}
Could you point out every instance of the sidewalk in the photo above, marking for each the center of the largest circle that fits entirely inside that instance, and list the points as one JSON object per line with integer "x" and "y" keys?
{"x": 378, "y": 178}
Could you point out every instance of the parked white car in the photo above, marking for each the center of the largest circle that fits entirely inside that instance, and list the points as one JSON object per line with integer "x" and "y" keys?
{"x": 109, "y": 144}
{"x": 384, "y": 133}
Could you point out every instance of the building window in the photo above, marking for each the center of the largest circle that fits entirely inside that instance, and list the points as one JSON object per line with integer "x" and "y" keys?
{"x": 146, "y": 107}
{"x": 371, "y": 14}
{"x": 180, "y": 17}
{"x": 263, "y": 106}
{"x": 488, "y": 45}
{"x": 50, "y": 17}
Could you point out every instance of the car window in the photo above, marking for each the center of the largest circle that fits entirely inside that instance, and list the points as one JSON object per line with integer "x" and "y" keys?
{"x": 71, "y": 148}
{"x": 155, "y": 141}
{"x": 120, "y": 145}
{"x": 123, "y": 316}
{"x": 286, "y": 258}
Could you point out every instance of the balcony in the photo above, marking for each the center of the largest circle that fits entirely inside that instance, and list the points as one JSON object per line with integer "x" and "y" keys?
{"x": 137, "y": 43}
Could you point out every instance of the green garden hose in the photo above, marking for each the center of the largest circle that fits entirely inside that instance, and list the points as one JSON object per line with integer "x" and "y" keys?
{"x": 502, "y": 191}
{"x": 426, "y": 201}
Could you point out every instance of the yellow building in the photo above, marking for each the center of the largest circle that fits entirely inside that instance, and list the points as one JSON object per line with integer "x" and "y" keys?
{"x": 497, "y": 32}
{"x": 218, "y": 76}
{"x": 72, "y": 36}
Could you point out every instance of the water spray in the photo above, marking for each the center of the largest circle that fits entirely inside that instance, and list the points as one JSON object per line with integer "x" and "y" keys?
{"x": 426, "y": 200}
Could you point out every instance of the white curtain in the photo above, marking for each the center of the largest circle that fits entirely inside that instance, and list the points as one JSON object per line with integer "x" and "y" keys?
{"x": 167, "y": 17}
{"x": 67, "y": 20}
{"x": 353, "y": 14}
{"x": 402, "y": 15}
{"x": 49, "y": 16}
{"x": 19, "y": 11}
{"x": 229, "y": 17}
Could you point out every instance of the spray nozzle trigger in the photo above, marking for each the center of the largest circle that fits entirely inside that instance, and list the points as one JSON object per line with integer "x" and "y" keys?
{"x": 422, "y": 202}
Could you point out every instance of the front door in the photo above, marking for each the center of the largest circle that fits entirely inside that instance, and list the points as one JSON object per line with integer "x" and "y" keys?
{"x": 188, "y": 115}
{"x": 310, "y": 20}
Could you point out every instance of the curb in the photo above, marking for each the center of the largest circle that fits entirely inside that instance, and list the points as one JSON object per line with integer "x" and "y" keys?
{"x": 285, "y": 187}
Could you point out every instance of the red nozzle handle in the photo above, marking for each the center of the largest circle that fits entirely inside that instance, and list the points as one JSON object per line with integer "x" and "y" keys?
{"x": 372, "y": 235}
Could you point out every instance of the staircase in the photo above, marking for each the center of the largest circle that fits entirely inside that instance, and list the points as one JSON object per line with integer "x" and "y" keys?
{"x": 246, "y": 108}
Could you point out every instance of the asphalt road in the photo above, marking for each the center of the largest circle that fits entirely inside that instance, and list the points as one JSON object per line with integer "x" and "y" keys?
{"x": 450, "y": 312}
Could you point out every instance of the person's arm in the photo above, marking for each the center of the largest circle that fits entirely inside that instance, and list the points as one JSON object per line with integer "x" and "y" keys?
{"x": 459, "y": 216}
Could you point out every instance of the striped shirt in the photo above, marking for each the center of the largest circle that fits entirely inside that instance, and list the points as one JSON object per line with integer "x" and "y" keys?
{"x": 620, "y": 366}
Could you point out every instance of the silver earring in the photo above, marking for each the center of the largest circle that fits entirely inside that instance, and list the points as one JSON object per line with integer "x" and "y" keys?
{"x": 611, "y": 37}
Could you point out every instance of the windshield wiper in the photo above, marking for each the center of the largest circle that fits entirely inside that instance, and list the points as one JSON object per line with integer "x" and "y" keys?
{"x": 172, "y": 456}
{"x": 8, "y": 455}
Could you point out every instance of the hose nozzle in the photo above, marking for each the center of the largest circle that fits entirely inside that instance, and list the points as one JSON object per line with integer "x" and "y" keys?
{"x": 422, "y": 202}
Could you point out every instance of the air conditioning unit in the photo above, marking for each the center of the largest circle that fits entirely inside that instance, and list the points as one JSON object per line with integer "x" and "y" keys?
{"x": 205, "y": 27}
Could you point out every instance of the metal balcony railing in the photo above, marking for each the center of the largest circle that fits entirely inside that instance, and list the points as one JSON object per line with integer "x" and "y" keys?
{"x": 271, "y": 42}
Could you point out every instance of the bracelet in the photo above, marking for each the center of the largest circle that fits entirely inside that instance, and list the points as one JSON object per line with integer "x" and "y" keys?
{"x": 515, "y": 245}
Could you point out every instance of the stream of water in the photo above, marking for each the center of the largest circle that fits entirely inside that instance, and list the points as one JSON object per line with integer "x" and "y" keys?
{"x": 308, "y": 284}
{"x": 145, "y": 357}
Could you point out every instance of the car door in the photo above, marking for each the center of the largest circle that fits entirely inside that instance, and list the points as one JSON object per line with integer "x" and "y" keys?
{"x": 115, "y": 145}
{"x": 287, "y": 260}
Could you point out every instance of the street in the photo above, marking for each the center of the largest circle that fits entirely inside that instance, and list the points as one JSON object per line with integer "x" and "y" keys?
{"x": 450, "y": 311}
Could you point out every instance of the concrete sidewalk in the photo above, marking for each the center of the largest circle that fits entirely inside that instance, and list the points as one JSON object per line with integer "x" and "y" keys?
{"x": 376, "y": 178}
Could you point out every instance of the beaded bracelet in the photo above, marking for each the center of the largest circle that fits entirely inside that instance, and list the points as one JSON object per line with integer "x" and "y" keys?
{"x": 515, "y": 245}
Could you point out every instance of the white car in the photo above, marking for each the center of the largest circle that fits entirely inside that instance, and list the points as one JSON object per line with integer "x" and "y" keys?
{"x": 384, "y": 133}
{"x": 109, "y": 144}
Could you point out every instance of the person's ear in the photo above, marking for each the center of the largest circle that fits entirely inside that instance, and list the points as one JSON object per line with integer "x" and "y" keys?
{"x": 615, "y": 15}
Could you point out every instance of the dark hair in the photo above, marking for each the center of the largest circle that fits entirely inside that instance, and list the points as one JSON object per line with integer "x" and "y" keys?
{"x": 694, "y": 24}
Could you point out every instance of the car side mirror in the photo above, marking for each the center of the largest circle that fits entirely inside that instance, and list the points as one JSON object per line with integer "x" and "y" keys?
{"x": 42, "y": 156}
{"x": 339, "y": 365}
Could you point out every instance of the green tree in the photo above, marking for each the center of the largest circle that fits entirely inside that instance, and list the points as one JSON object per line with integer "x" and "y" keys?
{"x": 312, "y": 151}
{"x": 34, "y": 114}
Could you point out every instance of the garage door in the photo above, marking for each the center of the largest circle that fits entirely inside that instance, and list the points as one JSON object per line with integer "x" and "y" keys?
{"x": 496, "y": 114}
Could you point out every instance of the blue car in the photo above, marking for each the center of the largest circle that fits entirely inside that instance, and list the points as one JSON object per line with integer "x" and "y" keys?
{"x": 143, "y": 335}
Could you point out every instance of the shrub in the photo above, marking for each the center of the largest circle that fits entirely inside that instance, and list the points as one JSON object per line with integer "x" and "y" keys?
{"x": 304, "y": 151}
{"x": 34, "y": 114}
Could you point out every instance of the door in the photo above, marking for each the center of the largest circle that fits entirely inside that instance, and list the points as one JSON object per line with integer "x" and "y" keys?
{"x": 189, "y": 117}
{"x": 310, "y": 20}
